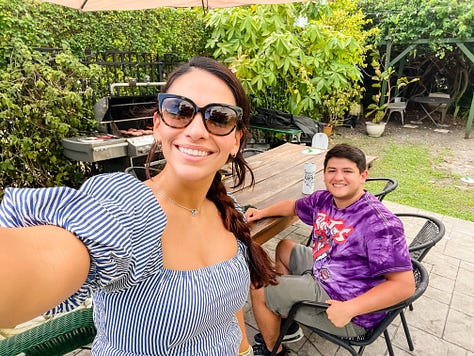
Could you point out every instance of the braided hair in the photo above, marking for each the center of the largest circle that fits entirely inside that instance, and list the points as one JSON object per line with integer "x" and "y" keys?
{"x": 262, "y": 271}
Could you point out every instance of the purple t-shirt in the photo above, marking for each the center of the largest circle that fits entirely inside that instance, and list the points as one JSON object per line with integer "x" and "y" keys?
{"x": 353, "y": 247}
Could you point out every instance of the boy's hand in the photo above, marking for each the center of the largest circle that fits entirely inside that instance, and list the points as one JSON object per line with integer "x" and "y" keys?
{"x": 338, "y": 313}
{"x": 253, "y": 214}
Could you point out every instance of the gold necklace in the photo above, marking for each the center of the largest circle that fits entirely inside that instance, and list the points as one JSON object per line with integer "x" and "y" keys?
{"x": 194, "y": 212}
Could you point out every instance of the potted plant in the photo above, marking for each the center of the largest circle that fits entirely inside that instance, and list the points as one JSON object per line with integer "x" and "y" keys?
{"x": 338, "y": 103}
{"x": 378, "y": 109}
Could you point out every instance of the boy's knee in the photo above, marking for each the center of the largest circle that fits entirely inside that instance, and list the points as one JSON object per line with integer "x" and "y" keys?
{"x": 284, "y": 247}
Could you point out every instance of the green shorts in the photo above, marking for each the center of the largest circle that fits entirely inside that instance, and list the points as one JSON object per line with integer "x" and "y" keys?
{"x": 301, "y": 285}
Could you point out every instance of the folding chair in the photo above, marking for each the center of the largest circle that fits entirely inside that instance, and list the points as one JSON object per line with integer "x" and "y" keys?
{"x": 443, "y": 108}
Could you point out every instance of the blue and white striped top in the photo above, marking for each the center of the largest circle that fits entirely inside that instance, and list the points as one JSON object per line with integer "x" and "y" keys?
{"x": 140, "y": 307}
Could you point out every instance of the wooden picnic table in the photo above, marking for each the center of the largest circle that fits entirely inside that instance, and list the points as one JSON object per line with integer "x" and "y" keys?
{"x": 278, "y": 175}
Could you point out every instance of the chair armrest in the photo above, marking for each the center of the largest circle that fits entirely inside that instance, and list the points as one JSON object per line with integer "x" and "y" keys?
{"x": 421, "y": 281}
{"x": 56, "y": 336}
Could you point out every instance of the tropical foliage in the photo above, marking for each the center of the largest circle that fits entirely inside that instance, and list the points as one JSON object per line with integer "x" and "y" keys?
{"x": 291, "y": 56}
{"x": 383, "y": 82}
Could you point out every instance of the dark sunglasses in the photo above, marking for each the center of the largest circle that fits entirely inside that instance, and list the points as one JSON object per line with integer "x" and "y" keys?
{"x": 178, "y": 111}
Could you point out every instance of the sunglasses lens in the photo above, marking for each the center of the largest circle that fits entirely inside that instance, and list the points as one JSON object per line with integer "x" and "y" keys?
{"x": 220, "y": 120}
{"x": 177, "y": 112}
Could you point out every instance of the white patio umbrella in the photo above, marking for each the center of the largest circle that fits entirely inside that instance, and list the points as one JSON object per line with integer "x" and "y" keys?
{"x": 102, "y": 5}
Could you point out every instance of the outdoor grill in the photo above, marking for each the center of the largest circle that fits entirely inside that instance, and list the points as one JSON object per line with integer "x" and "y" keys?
{"x": 124, "y": 136}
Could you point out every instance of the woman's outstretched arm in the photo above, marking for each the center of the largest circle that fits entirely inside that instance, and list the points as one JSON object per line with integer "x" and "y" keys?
{"x": 40, "y": 267}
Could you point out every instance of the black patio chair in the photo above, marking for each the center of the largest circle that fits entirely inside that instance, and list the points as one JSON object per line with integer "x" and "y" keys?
{"x": 251, "y": 151}
{"x": 139, "y": 172}
{"x": 57, "y": 336}
{"x": 350, "y": 344}
{"x": 422, "y": 232}
{"x": 373, "y": 185}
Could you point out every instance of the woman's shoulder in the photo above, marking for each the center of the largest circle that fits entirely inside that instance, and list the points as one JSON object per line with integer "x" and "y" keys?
{"x": 117, "y": 186}
{"x": 108, "y": 180}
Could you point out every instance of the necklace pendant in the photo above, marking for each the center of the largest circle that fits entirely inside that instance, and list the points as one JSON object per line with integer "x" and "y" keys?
{"x": 194, "y": 212}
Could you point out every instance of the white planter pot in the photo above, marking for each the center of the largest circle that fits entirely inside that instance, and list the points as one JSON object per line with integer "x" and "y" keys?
{"x": 375, "y": 130}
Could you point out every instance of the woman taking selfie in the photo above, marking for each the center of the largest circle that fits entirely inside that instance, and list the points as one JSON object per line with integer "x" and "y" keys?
{"x": 168, "y": 261}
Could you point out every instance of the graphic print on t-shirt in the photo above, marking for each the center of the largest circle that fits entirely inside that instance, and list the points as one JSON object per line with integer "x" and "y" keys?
{"x": 326, "y": 231}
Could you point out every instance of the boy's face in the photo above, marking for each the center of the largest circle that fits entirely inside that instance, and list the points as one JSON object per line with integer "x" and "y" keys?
{"x": 344, "y": 181}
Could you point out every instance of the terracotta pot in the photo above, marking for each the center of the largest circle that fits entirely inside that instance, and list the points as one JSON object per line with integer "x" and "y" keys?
{"x": 327, "y": 129}
{"x": 375, "y": 129}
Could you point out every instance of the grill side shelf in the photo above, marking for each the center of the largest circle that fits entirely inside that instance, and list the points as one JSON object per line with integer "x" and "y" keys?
{"x": 94, "y": 151}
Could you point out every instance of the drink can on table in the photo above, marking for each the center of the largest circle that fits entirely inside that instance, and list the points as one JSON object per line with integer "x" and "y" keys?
{"x": 308, "y": 178}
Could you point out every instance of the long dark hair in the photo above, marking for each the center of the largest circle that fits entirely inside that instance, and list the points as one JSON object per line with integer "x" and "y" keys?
{"x": 261, "y": 268}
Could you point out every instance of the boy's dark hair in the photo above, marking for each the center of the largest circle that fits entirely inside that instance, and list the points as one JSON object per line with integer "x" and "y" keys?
{"x": 349, "y": 152}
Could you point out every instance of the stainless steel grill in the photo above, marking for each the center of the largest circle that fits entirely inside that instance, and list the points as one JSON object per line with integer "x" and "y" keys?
{"x": 124, "y": 135}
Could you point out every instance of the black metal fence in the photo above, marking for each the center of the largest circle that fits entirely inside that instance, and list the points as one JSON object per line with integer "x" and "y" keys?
{"x": 125, "y": 67}
{"x": 130, "y": 67}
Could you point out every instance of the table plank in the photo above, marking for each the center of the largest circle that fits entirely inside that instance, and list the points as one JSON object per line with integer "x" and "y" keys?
{"x": 275, "y": 162}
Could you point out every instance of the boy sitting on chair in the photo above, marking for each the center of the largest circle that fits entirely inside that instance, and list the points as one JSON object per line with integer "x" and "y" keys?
{"x": 359, "y": 261}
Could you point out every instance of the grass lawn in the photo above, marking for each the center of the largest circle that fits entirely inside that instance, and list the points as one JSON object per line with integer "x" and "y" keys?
{"x": 423, "y": 181}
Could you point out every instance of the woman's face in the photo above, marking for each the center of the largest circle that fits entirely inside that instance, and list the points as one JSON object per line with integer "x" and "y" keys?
{"x": 192, "y": 152}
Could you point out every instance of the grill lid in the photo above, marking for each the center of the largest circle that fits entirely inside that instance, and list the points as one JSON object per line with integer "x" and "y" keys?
{"x": 127, "y": 115}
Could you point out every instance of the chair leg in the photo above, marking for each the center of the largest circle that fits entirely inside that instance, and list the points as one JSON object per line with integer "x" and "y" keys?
{"x": 407, "y": 331}
{"x": 388, "y": 342}
{"x": 283, "y": 330}
{"x": 443, "y": 115}
{"x": 410, "y": 307}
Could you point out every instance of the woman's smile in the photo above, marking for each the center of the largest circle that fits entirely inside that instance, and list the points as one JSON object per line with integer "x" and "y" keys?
{"x": 193, "y": 152}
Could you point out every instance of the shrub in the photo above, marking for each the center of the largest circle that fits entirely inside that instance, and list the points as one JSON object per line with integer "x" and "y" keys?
{"x": 43, "y": 97}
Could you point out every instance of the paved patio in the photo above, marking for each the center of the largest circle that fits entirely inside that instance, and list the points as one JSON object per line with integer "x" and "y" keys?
{"x": 442, "y": 319}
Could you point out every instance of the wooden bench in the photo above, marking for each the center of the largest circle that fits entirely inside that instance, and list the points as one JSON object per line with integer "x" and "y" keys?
{"x": 291, "y": 134}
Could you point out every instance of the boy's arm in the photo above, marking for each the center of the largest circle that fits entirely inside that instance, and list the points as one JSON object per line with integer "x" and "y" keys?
{"x": 397, "y": 287}
{"x": 281, "y": 208}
